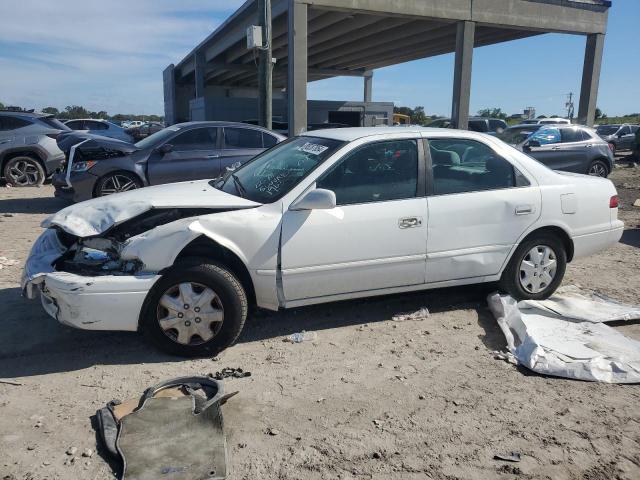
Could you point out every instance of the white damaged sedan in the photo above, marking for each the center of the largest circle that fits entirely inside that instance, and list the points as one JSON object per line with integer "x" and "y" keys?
{"x": 330, "y": 215}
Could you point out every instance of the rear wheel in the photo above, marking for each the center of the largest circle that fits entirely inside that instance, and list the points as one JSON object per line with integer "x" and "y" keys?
{"x": 24, "y": 172}
{"x": 195, "y": 309}
{"x": 598, "y": 168}
{"x": 116, "y": 183}
{"x": 536, "y": 269}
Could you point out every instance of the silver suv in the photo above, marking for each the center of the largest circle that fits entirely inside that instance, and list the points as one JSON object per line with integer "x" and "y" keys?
{"x": 28, "y": 149}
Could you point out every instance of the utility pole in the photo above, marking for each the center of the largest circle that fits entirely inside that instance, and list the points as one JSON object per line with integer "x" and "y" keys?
{"x": 265, "y": 65}
{"x": 569, "y": 105}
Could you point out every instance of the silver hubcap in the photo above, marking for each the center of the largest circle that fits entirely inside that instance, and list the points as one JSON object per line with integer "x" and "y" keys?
{"x": 24, "y": 173}
{"x": 538, "y": 269}
{"x": 190, "y": 313}
{"x": 117, "y": 184}
{"x": 598, "y": 170}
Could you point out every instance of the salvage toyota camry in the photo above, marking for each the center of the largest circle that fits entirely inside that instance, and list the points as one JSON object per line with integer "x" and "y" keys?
{"x": 330, "y": 215}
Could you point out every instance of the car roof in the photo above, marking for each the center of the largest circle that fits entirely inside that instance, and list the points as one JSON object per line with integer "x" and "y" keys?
{"x": 221, "y": 124}
{"x": 25, "y": 114}
{"x": 354, "y": 133}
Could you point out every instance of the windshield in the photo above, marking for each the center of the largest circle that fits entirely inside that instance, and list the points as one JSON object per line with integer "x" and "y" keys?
{"x": 54, "y": 122}
{"x": 607, "y": 129}
{"x": 516, "y": 135}
{"x": 271, "y": 175}
{"x": 156, "y": 138}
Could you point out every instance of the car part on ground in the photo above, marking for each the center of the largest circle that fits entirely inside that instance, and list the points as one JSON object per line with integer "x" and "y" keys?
{"x": 189, "y": 151}
{"x": 331, "y": 215}
{"x": 174, "y": 430}
{"x": 564, "y": 336}
{"x": 28, "y": 150}
{"x": 571, "y": 148}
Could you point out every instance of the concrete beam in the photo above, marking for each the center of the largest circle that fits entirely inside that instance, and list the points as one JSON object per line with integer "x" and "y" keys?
{"x": 465, "y": 38}
{"x": 368, "y": 86}
{"x": 449, "y": 9}
{"x": 297, "y": 74}
{"x": 200, "y": 73}
{"x": 169, "y": 84}
{"x": 590, "y": 79}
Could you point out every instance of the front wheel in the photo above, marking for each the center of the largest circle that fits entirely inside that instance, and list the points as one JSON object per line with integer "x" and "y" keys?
{"x": 116, "y": 183}
{"x": 196, "y": 309}
{"x": 536, "y": 269}
{"x": 598, "y": 168}
{"x": 24, "y": 172}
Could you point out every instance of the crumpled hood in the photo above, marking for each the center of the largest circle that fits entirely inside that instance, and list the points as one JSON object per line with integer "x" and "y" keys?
{"x": 93, "y": 142}
{"x": 95, "y": 216}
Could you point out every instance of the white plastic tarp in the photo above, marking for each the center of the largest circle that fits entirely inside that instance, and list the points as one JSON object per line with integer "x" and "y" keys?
{"x": 564, "y": 336}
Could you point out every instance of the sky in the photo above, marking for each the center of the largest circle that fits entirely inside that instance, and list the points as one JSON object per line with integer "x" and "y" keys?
{"x": 79, "y": 52}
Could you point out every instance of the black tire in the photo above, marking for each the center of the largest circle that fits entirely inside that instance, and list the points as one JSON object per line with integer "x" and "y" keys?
{"x": 24, "y": 171}
{"x": 231, "y": 299}
{"x": 116, "y": 182}
{"x": 598, "y": 168}
{"x": 511, "y": 277}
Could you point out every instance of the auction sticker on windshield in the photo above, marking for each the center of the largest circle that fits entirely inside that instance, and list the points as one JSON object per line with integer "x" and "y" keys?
{"x": 312, "y": 148}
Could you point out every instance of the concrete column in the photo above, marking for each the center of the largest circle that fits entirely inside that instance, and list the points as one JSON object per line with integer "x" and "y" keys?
{"x": 590, "y": 79}
{"x": 199, "y": 73}
{"x": 169, "y": 87}
{"x": 368, "y": 86}
{"x": 462, "y": 74}
{"x": 297, "y": 68}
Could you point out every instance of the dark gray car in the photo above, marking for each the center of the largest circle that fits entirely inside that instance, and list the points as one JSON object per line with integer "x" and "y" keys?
{"x": 572, "y": 148}
{"x": 98, "y": 166}
{"x": 28, "y": 149}
{"x": 619, "y": 137}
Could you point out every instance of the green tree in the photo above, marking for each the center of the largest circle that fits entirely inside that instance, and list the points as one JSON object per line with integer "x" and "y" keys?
{"x": 419, "y": 117}
{"x": 600, "y": 114}
{"x": 1, "y": 106}
{"x": 51, "y": 110}
{"x": 492, "y": 113}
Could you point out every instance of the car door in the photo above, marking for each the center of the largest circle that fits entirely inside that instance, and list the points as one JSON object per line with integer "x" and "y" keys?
{"x": 544, "y": 146}
{"x": 479, "y": 206}
{"x": 6, "y": 133}
{"x": 575, "y": 154}
{"x": 193, "y": 155}
{"x": 625, "y": 138}
{"x": 374, "y": 239}
{"x": 239, "y": 146}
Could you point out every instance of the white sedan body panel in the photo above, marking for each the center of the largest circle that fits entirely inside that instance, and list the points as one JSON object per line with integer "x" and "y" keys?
{"x": 297, "y": 257}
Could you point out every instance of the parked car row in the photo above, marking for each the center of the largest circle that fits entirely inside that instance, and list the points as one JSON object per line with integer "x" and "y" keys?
{"x": 325, "y": 216}
{"x": 492, "y": 126}
{"x": 619, "y": 137}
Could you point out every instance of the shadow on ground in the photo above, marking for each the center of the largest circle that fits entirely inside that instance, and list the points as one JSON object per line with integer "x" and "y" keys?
{"x": 631, "y": 237}
{"x": 35, "y": 344}
{"x": 32, "y": 205}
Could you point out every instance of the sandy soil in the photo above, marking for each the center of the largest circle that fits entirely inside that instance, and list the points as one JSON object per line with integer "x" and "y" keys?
{"x": 371, "y": 398}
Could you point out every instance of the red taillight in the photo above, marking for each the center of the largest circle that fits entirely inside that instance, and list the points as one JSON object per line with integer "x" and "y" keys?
{"x": 612, "y": 147}
{"x": 613, "y": 202}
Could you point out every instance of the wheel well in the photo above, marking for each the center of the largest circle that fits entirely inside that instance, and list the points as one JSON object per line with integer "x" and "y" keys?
{"x": 210, "y": 249}
{"x": 558, "y": 232}
{"x": 21, "y": 153}
{"x": 128, "y": 172}
{"x": 606, "y": 162}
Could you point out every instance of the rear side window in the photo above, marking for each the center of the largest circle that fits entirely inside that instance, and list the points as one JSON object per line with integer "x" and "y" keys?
{"x": 461, "y": 165}
{"x": 195, "y": 139}
{"x": 242, "y": 138}
{"x": 570, "y": 135}
{"x": 75, "y": 125}
{"x": 13, "y": 123}
{"x": 96, "y": 126}
{"x": 375, "y": 173}
{"x": 268, "y": 141}
{"x": 53, "y": 123}
{"x": 495, "y": 125}
{"x": 478, "y": 126}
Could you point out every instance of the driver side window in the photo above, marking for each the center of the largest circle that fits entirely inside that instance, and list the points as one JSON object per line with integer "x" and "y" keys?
{"x": 546, "y": 136}
{"x": 195, "y": 139}
{"x": 376, "y": 172}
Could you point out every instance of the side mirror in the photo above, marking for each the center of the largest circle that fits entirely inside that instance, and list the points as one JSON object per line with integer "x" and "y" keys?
{"x": 533, "y": 143}
{"x": 166, "y": 148}
{"x": 318, "y": 199}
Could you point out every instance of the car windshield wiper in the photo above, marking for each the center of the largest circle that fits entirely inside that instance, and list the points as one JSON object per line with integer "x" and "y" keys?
{"x": 238, "y": 184}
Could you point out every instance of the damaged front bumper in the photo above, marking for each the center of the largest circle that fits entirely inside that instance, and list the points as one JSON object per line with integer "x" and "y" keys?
{"x": 100, "y": 302}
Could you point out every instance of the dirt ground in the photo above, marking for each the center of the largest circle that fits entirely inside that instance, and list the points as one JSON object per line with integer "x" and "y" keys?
{"x": 371, "y": 398}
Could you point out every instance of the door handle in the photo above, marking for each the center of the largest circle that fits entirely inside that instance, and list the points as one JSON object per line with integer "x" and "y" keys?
{"x": 213, "y": 156}
{"x": 589, "y": 145}
{"x": 555, "y": 148}
{"x": 524, "y": 209}
{"x": 409, "y": 222}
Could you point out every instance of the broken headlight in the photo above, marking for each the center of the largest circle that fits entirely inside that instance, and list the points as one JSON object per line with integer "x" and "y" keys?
{"x": 82, "y": 166}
